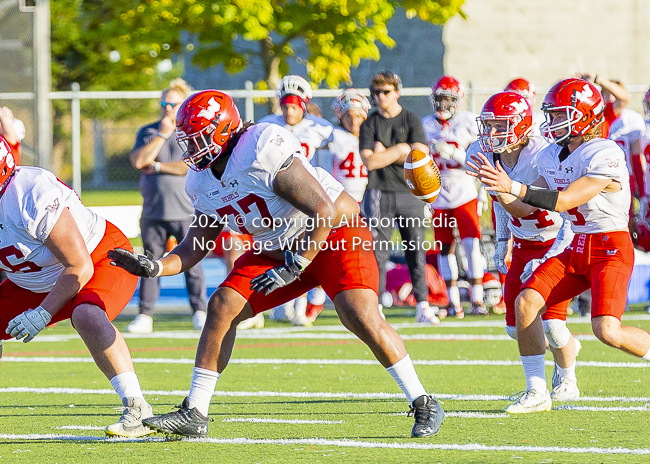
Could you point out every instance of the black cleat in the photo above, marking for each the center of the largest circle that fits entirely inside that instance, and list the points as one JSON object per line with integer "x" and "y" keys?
{"x": 428, "y": 417}
{"x": 186, "y": 422}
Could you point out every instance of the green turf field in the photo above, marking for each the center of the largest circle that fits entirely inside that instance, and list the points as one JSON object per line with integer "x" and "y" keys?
{"x": 317, "y": 395}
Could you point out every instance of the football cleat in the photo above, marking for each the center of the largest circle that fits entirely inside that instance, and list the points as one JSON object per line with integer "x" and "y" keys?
{"x": 142, "y": 324}
{"x": 530, "y": 401}
{"x": 313, "y": 310}
{"x": 442, "y": 313}
{"x": 500, "y": 307}
{"x": 255, "y": 322}
{"x": 198, "y": 319}
{"x": 428, "y": 417}
{"x": 186, "y": 422}
{"x": 479, "y": 309}
{"x": 130, "y": 424}
{"x": 567, "y": 389}
{"x": 427, "y": 315}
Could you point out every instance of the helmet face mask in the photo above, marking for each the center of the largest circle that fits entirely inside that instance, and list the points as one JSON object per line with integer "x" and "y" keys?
{"x": 204, "y": 125}
{"x": 505, "y": 121}
{"x": 446, "y": 96}
{"x": 549, "y": 129}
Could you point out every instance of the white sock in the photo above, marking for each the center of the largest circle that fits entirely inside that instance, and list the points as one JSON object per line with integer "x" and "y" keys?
{"x": 534, "y": 372}
{"x": 126, "y": 385}
{"x": 477, "y": 293}
{"x": 300, "y": 305}
{"x": 317, "y": 296}
{"x": 646, "y": 356}
{"x": 454, "y": 295}
{"x": 203, "y": 384}
{"x": 407, "y": 379}
{"x": 569, "y": 372}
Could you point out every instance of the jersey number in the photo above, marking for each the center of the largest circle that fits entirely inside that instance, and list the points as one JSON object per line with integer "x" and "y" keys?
{"x": 245, "y": 205}
{"x": 539, "y": 215}
{"x": 579, "y": 218}
{"x": 348, "y": 165}
{"x": 25, "y": 267}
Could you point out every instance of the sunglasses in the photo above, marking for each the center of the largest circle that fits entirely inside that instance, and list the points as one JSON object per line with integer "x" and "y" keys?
{"x": 376, "y": 92}
{"x": 164, "y": 104}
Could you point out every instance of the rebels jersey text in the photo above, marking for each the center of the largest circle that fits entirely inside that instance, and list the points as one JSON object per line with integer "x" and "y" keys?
{"x": 460, "y": 131}
{"x": 347, "y": 166}
{"x": 625, "y": 130}
{"x": 29, "y": 209}
{"x": 540, "y": 225}
{"x": 599, "y": 158}
{"x": 245, "y": 192}
{"x": 312, "y": 132}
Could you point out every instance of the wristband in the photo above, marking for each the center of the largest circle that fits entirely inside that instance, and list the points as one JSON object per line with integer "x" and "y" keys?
{"x": 160, "y": 134}
{"x": 515, "y": 188}
{"x": 156, "y": 166}
{"x": 160, "y": 267}
{"x": 301, "y": 261}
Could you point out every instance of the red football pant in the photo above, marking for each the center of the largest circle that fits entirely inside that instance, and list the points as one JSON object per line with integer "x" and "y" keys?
{"x": 467, "y": 221}
{"x": 341, "y": 266}
{"x": 602, "y": 262}
{"x": 110, "y": 287}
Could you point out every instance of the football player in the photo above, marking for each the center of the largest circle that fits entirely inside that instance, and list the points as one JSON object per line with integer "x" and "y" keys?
{"x": 505, "y": 134}
{"x": 314, "y": 134}
{"x": 53, "y": 250}
{"x": 257, "y": 177}
{"x": 449, "y": 132}
{"x": 526, "y": 89}
{"x": 585, "y": 178}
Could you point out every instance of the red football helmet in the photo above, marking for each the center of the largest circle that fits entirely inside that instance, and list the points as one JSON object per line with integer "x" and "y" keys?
{"x": 204, "y": 124}
{"x": 523, "y": 87}
{"x": 583, "y": 105}
{"x": 506, "y": 120}
{"x": 646, "y": 105}
{"x": 446, "y": 86}
{"x": 7, "y": 164}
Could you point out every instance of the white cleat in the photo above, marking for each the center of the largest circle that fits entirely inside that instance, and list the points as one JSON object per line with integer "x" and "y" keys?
{"x": 130, "y": 424}
{"x": 531, "y": 401}
{"x": 142, "y": 324}
{"x": 427, "y": 315}
{"x": 255, "y": 322}
{"x": 198, "y": 319}
{"x": 566, "y": 390}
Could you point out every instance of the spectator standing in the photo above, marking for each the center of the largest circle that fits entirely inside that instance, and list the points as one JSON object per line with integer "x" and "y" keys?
{"x": 166, "y": 209}
{"x": 385, "y": 139}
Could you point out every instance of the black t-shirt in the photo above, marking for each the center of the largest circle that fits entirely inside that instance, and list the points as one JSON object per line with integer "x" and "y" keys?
{"x": 406, "y": 127}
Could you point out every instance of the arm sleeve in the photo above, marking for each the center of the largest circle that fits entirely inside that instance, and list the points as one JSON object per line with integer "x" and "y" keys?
{"x": 416, "y": 132}
{"x": 502, "y": 219}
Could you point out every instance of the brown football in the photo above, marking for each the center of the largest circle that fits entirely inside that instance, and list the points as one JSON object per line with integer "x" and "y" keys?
{"x": 422, "y": 176}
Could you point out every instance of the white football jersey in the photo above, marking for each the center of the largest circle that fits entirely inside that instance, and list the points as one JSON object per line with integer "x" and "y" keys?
{"x": 312, "y": 132}
{"x": 627, "y": 128}
{"x": 245, "y": 192}
{"x": 603, "y": 159}
{"x": 457, "y": 188}
{"x": 541, "y": 225}
{"x": 347, "y": 166}
{"x": 29, "y": 209}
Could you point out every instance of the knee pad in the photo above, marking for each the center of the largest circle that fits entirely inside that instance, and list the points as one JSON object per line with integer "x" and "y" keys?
{"x": 557, "y": 333}
{"x": 448, "y": 267}
{"x": 474, "y": 257}
{"x": 511, "y": 331}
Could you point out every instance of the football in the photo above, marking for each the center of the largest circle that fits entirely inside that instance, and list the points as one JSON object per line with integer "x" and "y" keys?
{"x": 422, "y": 176}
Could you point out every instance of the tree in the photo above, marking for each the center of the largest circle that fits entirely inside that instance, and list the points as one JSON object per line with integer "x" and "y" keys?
{"x": 339, "y": 33}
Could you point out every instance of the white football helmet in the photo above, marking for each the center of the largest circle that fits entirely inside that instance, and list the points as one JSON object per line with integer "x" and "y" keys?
{"x": 294, "y": 85}
{"x": 351, "y": 99}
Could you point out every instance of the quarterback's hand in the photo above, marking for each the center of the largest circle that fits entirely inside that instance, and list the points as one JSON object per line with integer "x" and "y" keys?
{"x": 278, "y": 276}
{"x": 28, "y": 324}
{"x": 500, "y": 252}
{"x": 530, "y": 268}
{"x": 139, "y": 265}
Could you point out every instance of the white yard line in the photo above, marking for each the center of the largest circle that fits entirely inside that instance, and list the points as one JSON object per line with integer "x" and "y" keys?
{"x": 326, "y": 395}
{"x": 335, "y": 362}
{"x": 570, "y": 407}
{"x": 263, "y": 420}
{"x": 79, "y": 427}
{"x": 346, "y": 444}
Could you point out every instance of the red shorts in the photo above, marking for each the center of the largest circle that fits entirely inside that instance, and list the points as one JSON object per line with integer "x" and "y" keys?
{"x": 466, "y": 219}
{"x": 602, "y": 262}
{"x": 348, "y": 262}
{"x": 524, "y": 251}
{"x": 224, "y": 236}
{"x": 110, "y": 287}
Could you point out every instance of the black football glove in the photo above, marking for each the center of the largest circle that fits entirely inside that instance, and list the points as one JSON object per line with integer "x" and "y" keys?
{"x": 278, "y": 276}
{"x": 139, "y": 265}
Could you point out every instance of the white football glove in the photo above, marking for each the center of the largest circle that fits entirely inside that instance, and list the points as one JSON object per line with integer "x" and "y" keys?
{"x": 28, "y": 324}
{"x": 530, "y": 268}
{"x": 444, "y": 149}
{"x": 500, "y": 252}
